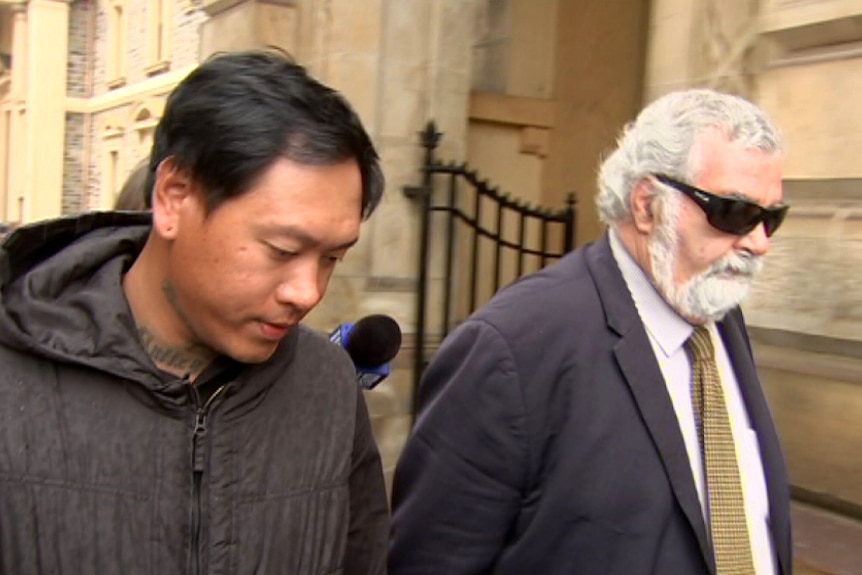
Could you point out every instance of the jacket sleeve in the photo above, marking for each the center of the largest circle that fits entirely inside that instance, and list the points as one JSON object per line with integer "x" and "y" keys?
{"x": 368, "y": 530}
{"x": 458, "y": 484}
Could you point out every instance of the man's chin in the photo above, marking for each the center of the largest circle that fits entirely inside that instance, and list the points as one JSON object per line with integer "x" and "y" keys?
{"x": 723, "y": 296}
{"x": 252, "y": 354}
{"x": 715, "y": 311}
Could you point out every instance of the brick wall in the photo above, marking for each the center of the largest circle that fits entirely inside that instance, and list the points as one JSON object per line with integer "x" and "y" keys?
{"x": 80, "y": 49}
{"x": 99, "y": 23}
{"x": 186, "y": 37}
{"x": 74, "y": 155}
{"x": 184, "y": 44}
{"x": 137, "y": 41}
{"x": 91, "y": 193}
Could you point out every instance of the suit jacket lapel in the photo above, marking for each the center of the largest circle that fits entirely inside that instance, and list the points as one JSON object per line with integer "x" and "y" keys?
{"x": 643, "y": 376}
{"x": 733, "y": 334}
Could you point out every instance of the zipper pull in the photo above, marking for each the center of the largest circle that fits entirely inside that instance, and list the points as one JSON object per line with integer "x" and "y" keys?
{"x": 198, "y": 434}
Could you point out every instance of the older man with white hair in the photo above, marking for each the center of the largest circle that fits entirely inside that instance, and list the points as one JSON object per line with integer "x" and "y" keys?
{"x": 604, "y": 415}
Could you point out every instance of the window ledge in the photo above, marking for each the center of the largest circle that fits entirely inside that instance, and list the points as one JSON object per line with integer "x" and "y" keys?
{"x": 157, "y": 68}
{"x": 115, "y": 83}
{"x": 802, "y": 27}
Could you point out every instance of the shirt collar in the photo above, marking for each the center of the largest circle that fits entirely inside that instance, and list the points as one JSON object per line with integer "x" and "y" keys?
{"x": 665, "y": 326}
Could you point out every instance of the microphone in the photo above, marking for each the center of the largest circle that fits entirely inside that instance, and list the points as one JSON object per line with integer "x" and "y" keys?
{"x": 372, "y": 342}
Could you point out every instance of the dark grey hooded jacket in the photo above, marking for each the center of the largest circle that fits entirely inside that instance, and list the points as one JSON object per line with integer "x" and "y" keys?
{"x": 110, "y": 466}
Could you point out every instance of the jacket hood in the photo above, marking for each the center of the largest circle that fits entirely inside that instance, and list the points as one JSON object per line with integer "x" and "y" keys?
{"x": 61, "y": 295}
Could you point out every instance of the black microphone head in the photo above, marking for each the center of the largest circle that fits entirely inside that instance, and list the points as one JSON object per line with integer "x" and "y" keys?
{"x": 374, "y": 340}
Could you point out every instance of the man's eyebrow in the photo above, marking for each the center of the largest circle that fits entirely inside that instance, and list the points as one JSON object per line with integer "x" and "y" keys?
{"x": 345, "y": 245}
{"x": 301, "y": 235}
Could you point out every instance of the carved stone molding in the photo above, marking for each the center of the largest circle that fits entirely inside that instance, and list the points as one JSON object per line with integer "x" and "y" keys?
{"x": 819, "y": 30}
{"x": 213, "y": 7}
{"x": 725, "y": 36}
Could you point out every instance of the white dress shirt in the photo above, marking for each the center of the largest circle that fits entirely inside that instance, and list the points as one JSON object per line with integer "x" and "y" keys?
{"x": 668, "y": 333}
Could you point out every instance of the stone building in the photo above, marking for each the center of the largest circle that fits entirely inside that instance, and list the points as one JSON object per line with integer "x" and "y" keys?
{"x": 529, "y": 92}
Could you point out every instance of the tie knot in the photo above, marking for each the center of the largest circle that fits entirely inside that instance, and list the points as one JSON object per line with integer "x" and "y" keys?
{"x": 700, "y": 344}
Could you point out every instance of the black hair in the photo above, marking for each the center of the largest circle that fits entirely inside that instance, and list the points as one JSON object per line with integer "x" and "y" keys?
{"x": 132, "y": 195}
{"x": 237, "y": 113}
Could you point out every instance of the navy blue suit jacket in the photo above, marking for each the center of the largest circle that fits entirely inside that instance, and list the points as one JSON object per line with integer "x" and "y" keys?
{"x": 547, "y": 442}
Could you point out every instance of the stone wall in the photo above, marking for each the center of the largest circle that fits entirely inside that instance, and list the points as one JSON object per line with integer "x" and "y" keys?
{"x": 806, "y": 321}
{"x": 808, "y": 84}
{"x": 814, "y": 388}
{"x": 813, "y": 278}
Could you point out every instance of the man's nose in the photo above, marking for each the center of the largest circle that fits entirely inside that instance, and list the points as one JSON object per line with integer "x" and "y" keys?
{"x": 300, "y": 289}
{"x": 756, "y": 241}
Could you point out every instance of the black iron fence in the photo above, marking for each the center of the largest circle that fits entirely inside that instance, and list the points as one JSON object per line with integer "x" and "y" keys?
{"x": 488, "y": 239}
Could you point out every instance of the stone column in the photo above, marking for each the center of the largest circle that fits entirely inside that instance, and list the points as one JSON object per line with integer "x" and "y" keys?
{"x": 424, "y": 74}
{"x": 19, "y": 51}
{"x": 668, "y": 65}
{"x": 15, "y": 118}
{"x": 246, "y": 24}
{"x": 45, "y": 68}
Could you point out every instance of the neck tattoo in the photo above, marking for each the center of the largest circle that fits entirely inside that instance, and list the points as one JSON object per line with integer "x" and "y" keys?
{"x": 188, "y": 360}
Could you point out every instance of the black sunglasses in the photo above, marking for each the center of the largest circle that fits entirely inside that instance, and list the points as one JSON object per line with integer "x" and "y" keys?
{"x": 731, "y": 215}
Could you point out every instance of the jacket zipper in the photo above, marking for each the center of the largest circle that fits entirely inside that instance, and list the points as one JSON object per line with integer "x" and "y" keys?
{"x": 198, "y": 464}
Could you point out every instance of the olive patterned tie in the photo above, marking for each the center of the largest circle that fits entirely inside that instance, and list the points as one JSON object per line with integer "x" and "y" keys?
{"x": 730, "y": 539}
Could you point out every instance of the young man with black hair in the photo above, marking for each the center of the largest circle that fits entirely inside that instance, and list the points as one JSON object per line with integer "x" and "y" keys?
{"x": 163, "y": 409}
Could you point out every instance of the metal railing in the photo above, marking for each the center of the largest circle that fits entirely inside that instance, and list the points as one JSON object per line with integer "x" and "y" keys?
{"x": 521, "y": 238}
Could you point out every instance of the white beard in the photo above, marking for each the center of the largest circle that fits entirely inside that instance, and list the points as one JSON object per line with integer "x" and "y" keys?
{"x": 710, "y": 294}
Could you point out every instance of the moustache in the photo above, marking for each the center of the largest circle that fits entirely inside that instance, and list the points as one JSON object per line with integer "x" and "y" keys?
{"x": 743, "y": 264}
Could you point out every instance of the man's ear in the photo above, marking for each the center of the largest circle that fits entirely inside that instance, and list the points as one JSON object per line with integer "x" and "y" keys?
{"x": 642, "y": 202}
{"x": 173, "y": 186}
